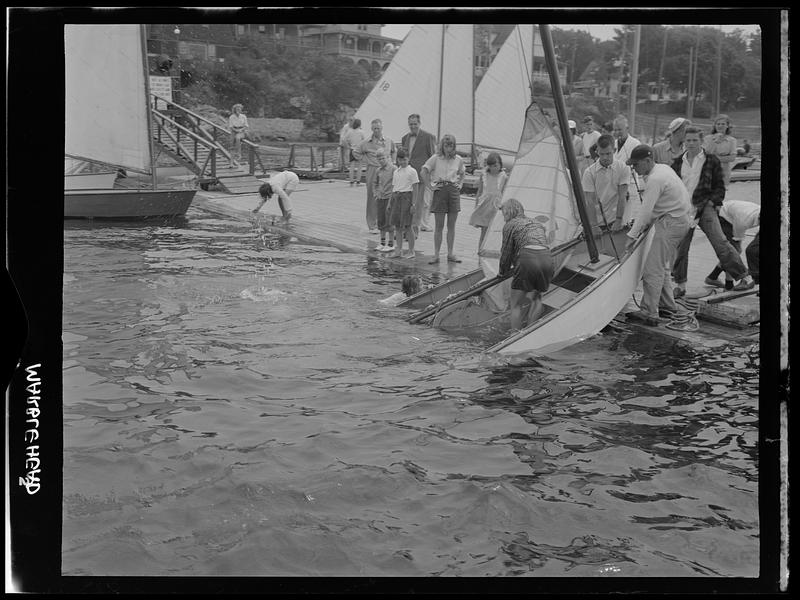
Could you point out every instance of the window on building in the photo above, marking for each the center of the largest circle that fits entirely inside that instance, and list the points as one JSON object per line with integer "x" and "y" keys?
{"x": 262, "y": 29}
{"x": 240, "y": 30}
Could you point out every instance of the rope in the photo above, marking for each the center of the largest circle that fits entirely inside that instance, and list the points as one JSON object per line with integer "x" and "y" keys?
{"x": 683, "y": 322}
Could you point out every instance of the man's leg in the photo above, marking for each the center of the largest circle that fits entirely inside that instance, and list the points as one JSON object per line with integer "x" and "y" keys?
{"x": 372, "y": 207}
{"x": 752, "y": 252}
{"x": 728, "y": 257}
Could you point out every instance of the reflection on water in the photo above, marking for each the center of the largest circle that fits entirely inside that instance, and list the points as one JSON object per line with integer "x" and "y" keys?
{"x": 238, "y": 403}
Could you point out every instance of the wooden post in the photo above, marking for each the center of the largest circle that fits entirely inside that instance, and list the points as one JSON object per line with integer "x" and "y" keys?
{"x": 660, "y": 83}
{"x": 637, "y": 36}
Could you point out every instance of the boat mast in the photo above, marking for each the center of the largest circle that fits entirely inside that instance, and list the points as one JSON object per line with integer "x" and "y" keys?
{"x": 473, "y": 157}
{"x": 566, "y": 139}
{"x": 441, "y": 85}
{"x": 149, "y": 115}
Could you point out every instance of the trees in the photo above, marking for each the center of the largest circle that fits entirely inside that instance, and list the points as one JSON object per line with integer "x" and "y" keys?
{"x": 276, "y": 80}
{"x": 741, "y": 59}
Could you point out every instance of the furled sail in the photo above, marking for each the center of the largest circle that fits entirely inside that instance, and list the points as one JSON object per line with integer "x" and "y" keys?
{"x": 106, "y": 98}
{"x": 431, "y": 75}
{"x": 541, "y": 183}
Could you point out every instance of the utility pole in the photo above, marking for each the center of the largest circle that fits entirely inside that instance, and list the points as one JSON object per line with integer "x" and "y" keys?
{"x": 718, "y": 71}
{"x": 637, "y": 36}
{"x": 176, "y": 93}
{"x": 693, "y": 76}
{"x": 660, "y": 83}
{"x": 574, "y": 49}
{"x": 621, "y": 71}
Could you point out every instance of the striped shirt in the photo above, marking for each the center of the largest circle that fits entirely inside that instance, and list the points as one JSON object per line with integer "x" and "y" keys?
{"x": 368, "y": 150}
{"x": 518, "y": 233}
{"x": 383, "y": 181}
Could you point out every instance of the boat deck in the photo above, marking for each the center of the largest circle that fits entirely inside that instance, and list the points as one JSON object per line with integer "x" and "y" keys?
{"x": 332, "y": 212}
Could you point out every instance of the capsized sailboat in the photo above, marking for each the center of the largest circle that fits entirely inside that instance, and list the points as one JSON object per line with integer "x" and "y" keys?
{"x": 107, "y": 120}
{"x": 501, "y": 100}
{"x": 592, "y": 284}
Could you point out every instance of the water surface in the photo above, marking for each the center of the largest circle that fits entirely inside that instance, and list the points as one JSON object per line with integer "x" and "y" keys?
{"x": 238, "y": 403}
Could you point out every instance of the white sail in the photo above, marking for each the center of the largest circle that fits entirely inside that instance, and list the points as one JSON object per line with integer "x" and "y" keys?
{"x": 457, "y": 91}
{"x": 503, "y": 95}
{"x": 540, "y": 181}
{"x": 106, "y": 98}
{"x": 431, "y": 75}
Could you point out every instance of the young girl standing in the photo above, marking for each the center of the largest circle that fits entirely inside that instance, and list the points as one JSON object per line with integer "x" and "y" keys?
{"x": 489, "y": 196}
{"x": 723, "y": 145}
{"x": 444, "y": 173}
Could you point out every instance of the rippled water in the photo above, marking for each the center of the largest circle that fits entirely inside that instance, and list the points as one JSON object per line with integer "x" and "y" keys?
{"x": 239, "y": 404}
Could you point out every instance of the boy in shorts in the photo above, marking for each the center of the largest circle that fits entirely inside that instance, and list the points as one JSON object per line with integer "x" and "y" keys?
{"x": 401, "y": 205}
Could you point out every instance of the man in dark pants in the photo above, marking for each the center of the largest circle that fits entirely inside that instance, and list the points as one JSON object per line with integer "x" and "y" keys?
{"x": 751, "y": 252}
{"x": 420, "y": 146}
{"x": 702, "y": 175}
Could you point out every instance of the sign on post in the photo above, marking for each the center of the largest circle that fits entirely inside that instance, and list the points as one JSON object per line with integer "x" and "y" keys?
{"x": 161, "y": 86}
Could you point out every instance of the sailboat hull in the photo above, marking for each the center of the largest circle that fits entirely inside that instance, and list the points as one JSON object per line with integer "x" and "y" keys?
{"x": 443, "y": 290}
{"x": 126, "y": 204}
{"x": 588, "y": 311}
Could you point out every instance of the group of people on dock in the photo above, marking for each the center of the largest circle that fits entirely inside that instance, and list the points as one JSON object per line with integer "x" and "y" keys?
{"x": 684, "y": 183}
{"x": 675, "y": 186}
{"x": 435, "y": 186}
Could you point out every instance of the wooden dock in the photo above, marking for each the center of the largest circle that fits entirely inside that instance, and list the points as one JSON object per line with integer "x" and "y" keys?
{"x": 331, "y": 212}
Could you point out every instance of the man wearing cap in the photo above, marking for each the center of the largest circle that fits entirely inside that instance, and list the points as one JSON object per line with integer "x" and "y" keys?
{"x": 671, "y": 148}
{"x": 665, "y": 204}
{"x": 625, "y": 145}
{"x": 589, "y": 137}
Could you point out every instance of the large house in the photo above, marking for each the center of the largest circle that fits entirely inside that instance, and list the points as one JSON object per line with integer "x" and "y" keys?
{"x": 363, "y": 44}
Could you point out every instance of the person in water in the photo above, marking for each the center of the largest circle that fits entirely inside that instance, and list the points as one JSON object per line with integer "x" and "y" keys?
{"x": 411, "y": 285}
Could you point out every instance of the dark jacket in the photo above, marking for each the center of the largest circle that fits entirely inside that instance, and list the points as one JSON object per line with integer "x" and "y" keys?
{"x": 424, "y": 148}
{"x": 711, "y": 185}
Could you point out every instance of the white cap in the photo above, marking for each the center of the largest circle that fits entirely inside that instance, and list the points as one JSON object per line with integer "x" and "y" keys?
{"x": 676, "y": 123}
{"x": 571, "y": 124}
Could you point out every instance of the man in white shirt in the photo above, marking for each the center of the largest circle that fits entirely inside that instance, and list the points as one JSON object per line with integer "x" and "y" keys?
{"x": 282, "y": 184}
{"x": 735, "y": 218}
{"x": 625, "y": 145}
{"x": 605, "y": 183}
{"x": 589, "y": 137}
{"x": 665, "y": 204}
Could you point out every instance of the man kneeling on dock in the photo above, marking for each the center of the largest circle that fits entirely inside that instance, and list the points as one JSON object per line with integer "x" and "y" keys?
{"x": 282, "y": 184}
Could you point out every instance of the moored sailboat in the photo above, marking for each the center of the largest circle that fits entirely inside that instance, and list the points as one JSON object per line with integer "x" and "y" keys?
{"x": 107, "y": 120}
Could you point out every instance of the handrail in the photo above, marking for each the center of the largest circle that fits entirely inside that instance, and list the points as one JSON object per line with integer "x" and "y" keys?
{"x": 186, "y": 110}
{"x": 209, "y": 143}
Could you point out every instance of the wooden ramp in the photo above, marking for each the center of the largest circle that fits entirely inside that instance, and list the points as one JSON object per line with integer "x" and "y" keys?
{"x": 236, "y": 182}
